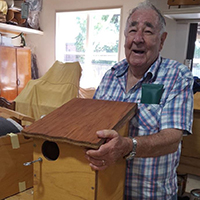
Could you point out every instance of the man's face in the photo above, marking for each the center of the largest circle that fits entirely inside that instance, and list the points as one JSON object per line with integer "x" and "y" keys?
{"x": 143, "y": 41}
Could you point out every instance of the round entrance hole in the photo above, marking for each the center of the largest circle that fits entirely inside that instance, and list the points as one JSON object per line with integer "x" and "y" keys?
{"x": 50, "y": 150}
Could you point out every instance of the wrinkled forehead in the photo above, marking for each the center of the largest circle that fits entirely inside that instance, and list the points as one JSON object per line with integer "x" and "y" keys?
{"x": 146, "y": 17}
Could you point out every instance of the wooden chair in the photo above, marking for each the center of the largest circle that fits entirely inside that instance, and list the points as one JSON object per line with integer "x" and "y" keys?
{"x": 18, "y": 117}
{"x": 7, "y": 104}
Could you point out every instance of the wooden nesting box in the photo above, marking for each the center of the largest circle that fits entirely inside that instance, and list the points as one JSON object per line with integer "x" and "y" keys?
{"x": 15, "y": 150}
{"x": 60, "y": 139}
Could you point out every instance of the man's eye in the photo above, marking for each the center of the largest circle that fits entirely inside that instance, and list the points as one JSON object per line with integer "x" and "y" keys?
{"x": 132, "y": 30}
{"x": 148, "y": 32}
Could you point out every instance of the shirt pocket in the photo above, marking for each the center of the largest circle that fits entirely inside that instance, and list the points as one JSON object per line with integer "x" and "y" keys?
{"x": 149, "y": 117}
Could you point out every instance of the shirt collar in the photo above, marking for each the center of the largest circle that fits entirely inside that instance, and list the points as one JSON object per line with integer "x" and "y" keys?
{"x": 122, "y": 67}
{"x": 151, "y": 73}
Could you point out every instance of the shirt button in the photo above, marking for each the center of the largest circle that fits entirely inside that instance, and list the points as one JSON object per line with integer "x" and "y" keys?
{"x": 148, "y": 108}
{"x": 136, "y": 87}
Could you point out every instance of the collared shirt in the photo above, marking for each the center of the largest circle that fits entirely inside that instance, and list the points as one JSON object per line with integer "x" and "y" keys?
{"x": 153, "y": 178}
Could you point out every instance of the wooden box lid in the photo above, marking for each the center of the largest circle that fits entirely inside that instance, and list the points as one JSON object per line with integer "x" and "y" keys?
{"x": 78, "y": 120}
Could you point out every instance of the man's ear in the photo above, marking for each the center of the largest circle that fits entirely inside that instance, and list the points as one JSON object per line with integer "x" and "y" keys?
{"x": 163, "y": 37}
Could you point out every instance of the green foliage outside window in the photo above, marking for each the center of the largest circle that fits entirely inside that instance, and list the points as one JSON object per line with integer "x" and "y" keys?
{"x": 98, "y": 47}
{"x": 197, "y": 55}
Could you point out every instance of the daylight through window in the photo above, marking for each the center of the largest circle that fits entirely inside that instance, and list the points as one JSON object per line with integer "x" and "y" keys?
{"x": 90, "y": 37}
{"x": 196, "y": 59}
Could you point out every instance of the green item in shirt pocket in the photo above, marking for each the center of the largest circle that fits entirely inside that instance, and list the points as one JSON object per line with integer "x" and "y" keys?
{"x": 151, "y": 93}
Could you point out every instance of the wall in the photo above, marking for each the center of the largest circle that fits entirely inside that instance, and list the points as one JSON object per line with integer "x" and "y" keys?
{"x": 44, "y": 46}
{"x": 176, "y": 42}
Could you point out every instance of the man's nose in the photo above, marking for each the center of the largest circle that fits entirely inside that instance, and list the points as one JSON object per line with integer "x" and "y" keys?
{"x": 138, "y": 37}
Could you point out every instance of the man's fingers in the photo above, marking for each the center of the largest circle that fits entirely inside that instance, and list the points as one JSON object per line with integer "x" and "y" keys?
{"x": 96, "y": 153}
{"x": 98, "y": 168}
{"x": 97, "y": 164}
{"x": 107, "y": 134}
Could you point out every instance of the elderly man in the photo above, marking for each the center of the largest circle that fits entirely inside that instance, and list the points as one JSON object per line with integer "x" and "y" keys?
{"x": 162, "y": 88}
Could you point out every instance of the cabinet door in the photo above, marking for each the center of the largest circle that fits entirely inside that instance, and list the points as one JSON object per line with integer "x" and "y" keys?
{"x": 23, "y": 67}
{"x": 8, "y": 87}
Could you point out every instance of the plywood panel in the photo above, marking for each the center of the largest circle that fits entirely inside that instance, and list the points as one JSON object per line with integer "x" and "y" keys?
{"x": 197, "y": 101}
{"x": 191, "y": 143}
{"x": 68, "y": 177}
{"x": 189, "y": 165}
{"x": 12, "y": 170}
{"x": 190, "y": 155}
{"x": 25, "y": 195}
{"x": 111, "y": 182}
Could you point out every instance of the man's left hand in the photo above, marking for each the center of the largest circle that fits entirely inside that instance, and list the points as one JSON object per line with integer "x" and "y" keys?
{"x": 115, "y": 148}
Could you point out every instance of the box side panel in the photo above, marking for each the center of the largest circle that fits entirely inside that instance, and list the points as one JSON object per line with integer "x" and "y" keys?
{"x": 111, "y": 181}
{"x": 67, "y": 177}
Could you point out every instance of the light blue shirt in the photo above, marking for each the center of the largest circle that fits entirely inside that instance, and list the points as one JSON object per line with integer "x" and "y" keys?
{"x": 153, "y": 178}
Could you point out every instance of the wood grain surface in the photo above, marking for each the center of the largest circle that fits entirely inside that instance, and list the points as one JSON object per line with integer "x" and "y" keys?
{"x": 78, "y": 120}
{"x": 12, "y": 170}
{"x": 68, "y": 177}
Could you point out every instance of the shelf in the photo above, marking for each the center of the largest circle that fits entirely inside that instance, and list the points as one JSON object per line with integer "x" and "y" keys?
{"x": 18, "y": 29}
{"x": 190, "y": 13}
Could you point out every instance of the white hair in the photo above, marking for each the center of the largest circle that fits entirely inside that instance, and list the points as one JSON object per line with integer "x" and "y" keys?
{"x": 148, "y": 5}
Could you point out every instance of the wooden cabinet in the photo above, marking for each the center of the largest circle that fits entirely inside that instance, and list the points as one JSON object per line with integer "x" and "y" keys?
{"x": 15, "y": 70}
{"x": 23, "y": 67}
{"x": 183, "y": 2}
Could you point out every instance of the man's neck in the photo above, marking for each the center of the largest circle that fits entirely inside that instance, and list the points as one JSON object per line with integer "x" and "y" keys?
{"x": 132, "y": 79}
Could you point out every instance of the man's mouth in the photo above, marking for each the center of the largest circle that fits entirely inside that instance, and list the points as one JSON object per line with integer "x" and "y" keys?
{"x": 138, "y": 51}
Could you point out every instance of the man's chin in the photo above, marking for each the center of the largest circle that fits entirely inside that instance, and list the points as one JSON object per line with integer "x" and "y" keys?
{"x": 136, "y": 62}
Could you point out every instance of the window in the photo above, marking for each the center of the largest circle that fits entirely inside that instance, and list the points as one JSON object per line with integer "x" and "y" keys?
{"x": 196, "y": 58}
{"x": 90, "y": 37}
{"x": 193, "y": 50}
